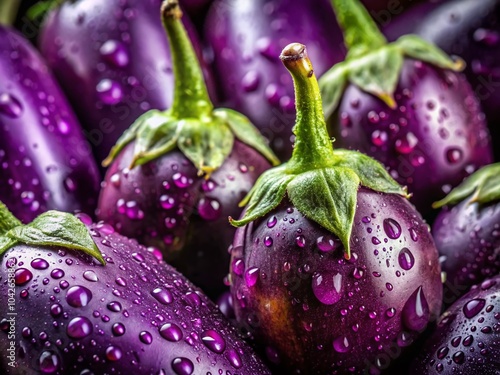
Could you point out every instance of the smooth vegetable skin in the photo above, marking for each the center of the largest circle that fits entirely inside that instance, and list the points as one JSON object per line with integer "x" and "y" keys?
{"x": 134, "y": 315}
{"x": 406, "y": 105}
{"x": 45, "y": 160}
{"x": 467, "y": 232}
{"x": 176, "y": 176}
{"x": 112, "y": 59}
{"x": 469, "y": 29}
{"x": 466, "y": 340}
{"x": 333, "y": 271}
{"x": 246, "y": 38}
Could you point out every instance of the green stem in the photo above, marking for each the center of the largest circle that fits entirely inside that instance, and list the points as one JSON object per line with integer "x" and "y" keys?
{"x": 361, "y": 33}
{"x": 313, "y": 146}
{"x": 8, "y": 11}
{"x": 7, "y": 220}
{"x": 190, "y": 94}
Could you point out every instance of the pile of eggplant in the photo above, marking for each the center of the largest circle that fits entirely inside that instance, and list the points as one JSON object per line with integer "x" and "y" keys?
{"x": 239, "y": 187}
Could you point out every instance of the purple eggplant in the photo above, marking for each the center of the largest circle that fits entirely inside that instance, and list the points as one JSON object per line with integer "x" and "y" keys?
{"x": 247, "y": 36}
{"x": 333, "y": 271}
{"x": 65, "y": 313}
{"x": 406, "y": 105}
{"x": 467, "y": 338}
{"x": 46, "y": 162}
{"x": 467, "y": 232}
{"x": 177, "y": 175}
{"x": 112, "y": 59}
{"x": 470, "y": 29}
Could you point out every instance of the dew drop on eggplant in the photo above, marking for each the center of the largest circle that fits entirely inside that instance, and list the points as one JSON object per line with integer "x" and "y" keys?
{"x": 10, "y": 106}
{"x": 79, "y": 327}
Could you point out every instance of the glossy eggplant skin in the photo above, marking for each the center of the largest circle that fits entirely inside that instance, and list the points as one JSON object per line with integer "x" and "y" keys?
{"x": 468, "y": 241}
{"x": 247, "y": 37}
{"x": 113, "y": 60}
{"x": 471, "y": 30}
{"x": 45, "y": 161}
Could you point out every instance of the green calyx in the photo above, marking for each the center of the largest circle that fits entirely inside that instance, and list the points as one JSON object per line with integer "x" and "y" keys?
{"x": 40, "y": 8}
{"x": 483, "y": 187}
{"x": 52, "y": 228}
{"x": 373, "y": 64}
{"x": 205, "y": 135}
{"x": 322, "y": 183}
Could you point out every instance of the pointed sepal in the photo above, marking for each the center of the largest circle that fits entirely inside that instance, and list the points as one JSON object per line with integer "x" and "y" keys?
{"x": 483, "y": 186}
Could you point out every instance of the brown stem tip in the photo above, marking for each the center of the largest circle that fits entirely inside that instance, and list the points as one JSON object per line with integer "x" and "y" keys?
{"x": 293, "y": 52}
{"x": 171, "y": 9}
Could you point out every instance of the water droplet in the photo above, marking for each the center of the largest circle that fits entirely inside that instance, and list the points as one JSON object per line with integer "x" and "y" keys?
{"x": 90, "y": 276}
{"x": 22, "y": 276}
{"x": 163, "y": 296}
{"x": 27, "y": 197}
{"x": 70, "y": 184}
{"x": 209, "y": 209}
{"x": 251, "y": 276}
{"x": 109, "y": 91}
{"x": 406, "y": 259}
{"x": 146, "y": 337}
{"x": 300, "y": 240}
{"x": 392, "y": 228}
{"x": 238, "y": 266}
{"x": 115, "y": 53}
{"x": 389, "y": 286}
{"x": 118, "y": 329}
{"x": 271, "y": 222}
{"x": 454, "y": 155}
{"x": 390, "y": 312}
{"x": 39, "y": 264}
{"x": 407, "y": 144}
{"x": 416, "y": 311}
{"x": 10, "y": 106}
{"x": 442, "y": 352}
{"x": 250, "y": 81}
{"x": 113, "y": 353}
{"x": 49, "y": 362}
{"x": 167, "y": 202}
{"x": 468, "y": 340}
{"x": 78, "y": 296}
{"x": 234, "y": 358}
{"x": 358, "y": 273}
{"x": 56, "y": 310}
{"x": 268, "y": 241}
{"x": 121, "y": 281}
{"x": 114, "y": 306}
{"x": 170, "y": 332}
{"x": 458, "y": 357}
{"x": 79, "y": 327}
{"x": 473, "y": 307}
{"x": 341, "y": 344}
{"x": 413, "y": 234}
{"x": 375, "y": 241}
{"x": 327, "y": 243}
{"x": 182, "y": 366}
{"x": 327, "y": 287}
{"x": 182, "y": 181}
{"x": 213, "y": 341}
{"x": 193, "y": 299}
{"x": 379, "y": 138}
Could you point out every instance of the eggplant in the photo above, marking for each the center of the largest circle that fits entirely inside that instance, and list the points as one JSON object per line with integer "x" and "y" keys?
{"x": 176, "y": 175}
{"x": 46, "y": 163}
{"x": 333, "y": 271}
{"x": 471, "y": 30}
{"x": 112, "y": 59}
{"x": 407, "y": 105}
{"x": 124, "y": 312}
{"x": 246, "y": 38}
{"x": 466, "y": 340}
{"x": 467, "y": 232}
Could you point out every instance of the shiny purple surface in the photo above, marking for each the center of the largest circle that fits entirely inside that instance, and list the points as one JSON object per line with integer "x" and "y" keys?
{"x": 45, "y": 162}
{"x": 113, "y": 60}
